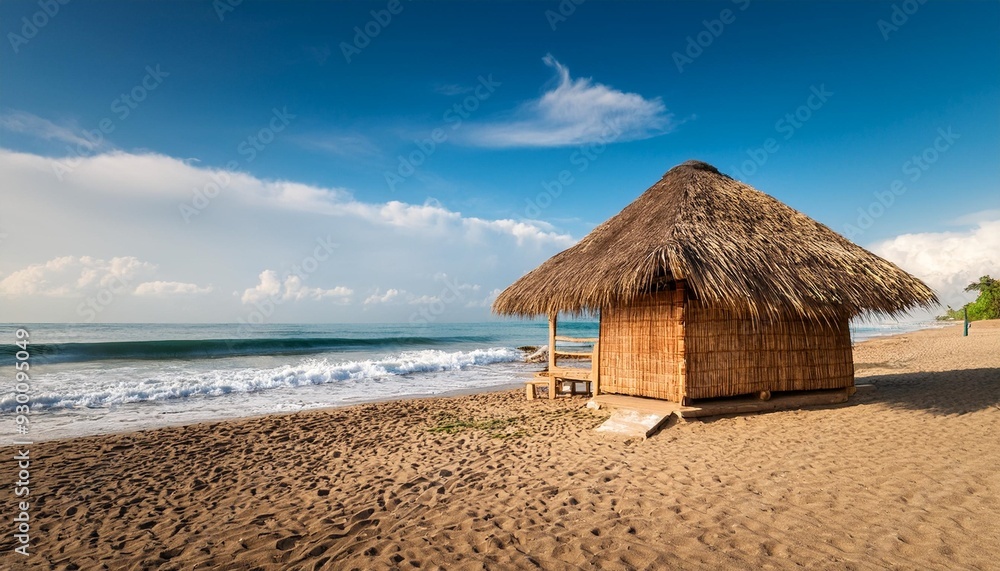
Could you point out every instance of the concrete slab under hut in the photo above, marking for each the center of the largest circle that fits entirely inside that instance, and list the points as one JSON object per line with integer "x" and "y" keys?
{"x": 642, "y": 417}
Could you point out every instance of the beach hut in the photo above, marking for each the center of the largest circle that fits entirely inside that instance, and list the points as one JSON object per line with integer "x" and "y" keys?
{"x": 706, "y": 287}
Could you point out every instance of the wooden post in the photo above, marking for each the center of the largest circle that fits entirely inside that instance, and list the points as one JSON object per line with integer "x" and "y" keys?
{"x": 966, "y": 332}
{"x": 552, "y": 355}
{"x": 680, "y": 300}
{"x": 595, "y": 373}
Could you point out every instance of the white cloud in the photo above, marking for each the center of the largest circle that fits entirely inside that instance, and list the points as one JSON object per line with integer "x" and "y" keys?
{"x": 486, "y": 301}
{"x": 389, "y": 296}
{"x": 119, "y": 173}
{"x": 269, "y": 287}
{"x": 947, "y": 261}
{"x": 574, "y": 112}
{"x": 342, "y": 242}
{"x": 35, "y": 126}
{"x": 166, "y": 289}
{"x": 296, "y": 291}
{"x": 71, "y": 276}
{"x": 291, "y": 288}
{"x": 451, "y": 291}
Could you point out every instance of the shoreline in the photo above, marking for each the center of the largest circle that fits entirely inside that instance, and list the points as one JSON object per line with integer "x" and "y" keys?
{"x": 210, "y": 419}
{"x": 926, "y": 325}
{"x": 214, "y": 420}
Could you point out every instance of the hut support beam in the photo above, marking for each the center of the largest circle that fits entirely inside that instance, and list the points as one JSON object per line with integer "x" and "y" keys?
{"x": 681, "y": 302}
{"x": 552, "y": 355}
{"x": 595, "y": 365}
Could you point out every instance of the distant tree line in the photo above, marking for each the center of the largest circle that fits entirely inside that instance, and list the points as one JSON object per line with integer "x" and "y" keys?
{"x": 986, "y": 306}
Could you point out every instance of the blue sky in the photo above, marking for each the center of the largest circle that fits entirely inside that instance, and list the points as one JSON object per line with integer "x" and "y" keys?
{"x": 311, "y": 128}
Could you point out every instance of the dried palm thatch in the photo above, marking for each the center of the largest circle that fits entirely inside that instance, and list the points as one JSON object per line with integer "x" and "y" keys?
{"x": 736, "y": 247}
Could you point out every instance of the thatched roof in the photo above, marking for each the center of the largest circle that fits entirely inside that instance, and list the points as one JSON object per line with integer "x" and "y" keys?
{"x": 735, "y": 246}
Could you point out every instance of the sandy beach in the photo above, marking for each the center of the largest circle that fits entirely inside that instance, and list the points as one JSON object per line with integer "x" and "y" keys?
{"x": 903, "y": 476}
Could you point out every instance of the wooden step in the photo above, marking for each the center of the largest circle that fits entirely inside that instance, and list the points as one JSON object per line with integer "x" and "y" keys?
{"x": 630, "y": 423}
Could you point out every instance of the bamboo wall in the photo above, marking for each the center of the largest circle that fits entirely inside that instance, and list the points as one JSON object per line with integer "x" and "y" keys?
{"x": 660, "y": 347}
{"x": 642, "y": 347}
{"x": 730, "y": 356}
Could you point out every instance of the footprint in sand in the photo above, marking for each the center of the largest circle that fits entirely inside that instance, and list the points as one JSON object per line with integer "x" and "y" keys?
{"x": 287, "y": 543}
{"x": 318, "y": 550}
{"x": 362, "y": 515}
{"x": 171, "y": 553}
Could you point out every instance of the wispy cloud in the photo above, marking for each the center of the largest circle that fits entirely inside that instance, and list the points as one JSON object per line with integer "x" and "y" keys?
{"x": 452, "y": 290}
{"x": 574, "y": 112}
{"x": 32, "y": 125}
{"x": 347, "y": 145}
{"x": 977, "y": 217}
{"x": 126, "y": 174}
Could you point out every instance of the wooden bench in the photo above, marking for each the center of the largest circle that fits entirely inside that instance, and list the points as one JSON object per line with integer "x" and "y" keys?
{"x": 531, "y": 386}
{"x": 562, "y": 383}
{"x": 557, "y": 378}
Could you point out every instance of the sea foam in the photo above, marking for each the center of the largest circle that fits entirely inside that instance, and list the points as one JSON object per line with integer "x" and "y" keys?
{"x": 74, "y": 389}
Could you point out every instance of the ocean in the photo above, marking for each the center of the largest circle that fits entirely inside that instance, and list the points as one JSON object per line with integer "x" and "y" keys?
{"x": 100, "y": 378}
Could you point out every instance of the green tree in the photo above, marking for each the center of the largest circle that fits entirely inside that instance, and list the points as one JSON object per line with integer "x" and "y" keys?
{"x": 986, "y": 306}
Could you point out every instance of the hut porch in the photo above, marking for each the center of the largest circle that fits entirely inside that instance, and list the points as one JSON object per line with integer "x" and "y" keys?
{"x": 642, "y": 417}
{"x": 729, "y": 405}
{"x": 555, "y": 377}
